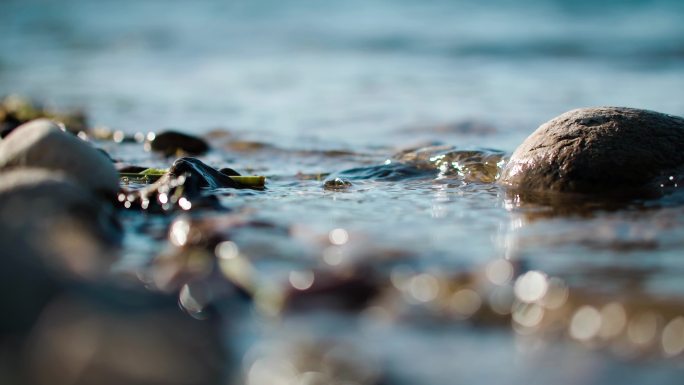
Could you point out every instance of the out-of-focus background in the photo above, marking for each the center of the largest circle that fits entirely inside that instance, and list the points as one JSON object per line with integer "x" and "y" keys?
{"x": 352, "y": 71}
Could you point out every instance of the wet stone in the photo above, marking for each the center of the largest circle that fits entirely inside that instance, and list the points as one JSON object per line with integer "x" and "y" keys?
{"x": 337, "y": 184}
{"x": 471, "y": 165}
{"x": 42, "y": 144}
{"x": 188, "y": 184}
{"x": 599, "y": 150}
{"x": 229, "y": 171}
{"x": 172, "y": 142}
{"x": 204, "y": 175}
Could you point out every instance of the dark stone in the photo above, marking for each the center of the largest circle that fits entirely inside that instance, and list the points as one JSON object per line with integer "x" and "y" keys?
{"x": 229, "y": 171}
{"x": 131, "y": 169}
{"x": 9, "y": 123}
{"x": 202, "y": 175}
{"x": 106, "y": 154}
{"x": 188, "y": 178}
{"x": 616, "y": 150}
{"x": 171, "y": 142}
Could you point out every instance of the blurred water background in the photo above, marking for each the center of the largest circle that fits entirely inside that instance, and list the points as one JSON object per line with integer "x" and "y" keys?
{"x": 367, "y": 78}
{"x": 352, "y": 71}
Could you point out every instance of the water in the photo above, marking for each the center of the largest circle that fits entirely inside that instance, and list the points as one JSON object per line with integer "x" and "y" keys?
{"x": 316, "y": 90}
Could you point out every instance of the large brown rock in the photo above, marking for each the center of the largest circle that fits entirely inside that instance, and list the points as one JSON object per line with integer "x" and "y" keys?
{"x": 599, "y": 150}
{"x": 42, "y": 144}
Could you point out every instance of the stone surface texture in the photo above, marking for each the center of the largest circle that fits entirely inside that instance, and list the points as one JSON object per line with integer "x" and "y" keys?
{"x": 593, "y": 150}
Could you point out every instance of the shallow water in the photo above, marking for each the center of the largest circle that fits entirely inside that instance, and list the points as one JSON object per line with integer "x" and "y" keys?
{"x": 305, "y": 92}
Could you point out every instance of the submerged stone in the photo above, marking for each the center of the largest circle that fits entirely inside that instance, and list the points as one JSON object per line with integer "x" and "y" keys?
{"x": 337, "y": 184}
{"x": 42, "y": 144}
{"x": 171, "y": 142}
{"x": 613, "y": 150}
{"x": 476, "y": 165}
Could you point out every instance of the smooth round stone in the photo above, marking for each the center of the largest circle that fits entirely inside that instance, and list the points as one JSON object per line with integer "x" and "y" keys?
{"x": 41, "y": 143}
{"x": 599, "y": 150}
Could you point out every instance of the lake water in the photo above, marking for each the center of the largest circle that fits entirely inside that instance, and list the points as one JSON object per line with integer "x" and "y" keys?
{"x": 304, "y": 91}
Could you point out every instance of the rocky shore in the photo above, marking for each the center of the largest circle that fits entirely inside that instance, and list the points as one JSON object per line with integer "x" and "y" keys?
{"x": 60, "y": 237}
{"x": 62, "y": 200}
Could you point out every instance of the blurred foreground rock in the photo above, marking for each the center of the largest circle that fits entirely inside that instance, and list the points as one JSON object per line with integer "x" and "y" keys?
{"x": 78, "y": 341}
{"x": 67, "y": 319}
{"x": 45, "y": 214}
{"x": 616, "y": 150}
{"x": 52, "y": 230}
{"x": 41, "y": 143}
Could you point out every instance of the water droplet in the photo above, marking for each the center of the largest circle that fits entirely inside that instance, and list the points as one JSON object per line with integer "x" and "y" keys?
{"x": 338, "y": 237}
{"x": 301, "y": 280}
{"x": 424, "y": 287}
{"x": 179, "y": 232}
{"x": 528, "y": 315}
{"x": 531, "y": 286}
{"x": 226, "y": 250}
{"x": 585, "y": 323}
{"x": 614, "y": 320}
{"x": 642, "y": 329}
{"x": 499, "y": 272}
{"x": 184, "y": 203}
{"x": 118, "y": 136}
{"x": 673, "y": 337}
{"x": 465, "y": 303}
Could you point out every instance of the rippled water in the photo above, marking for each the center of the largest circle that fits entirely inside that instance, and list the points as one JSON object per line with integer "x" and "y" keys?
{"x": 305, "y": 92}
